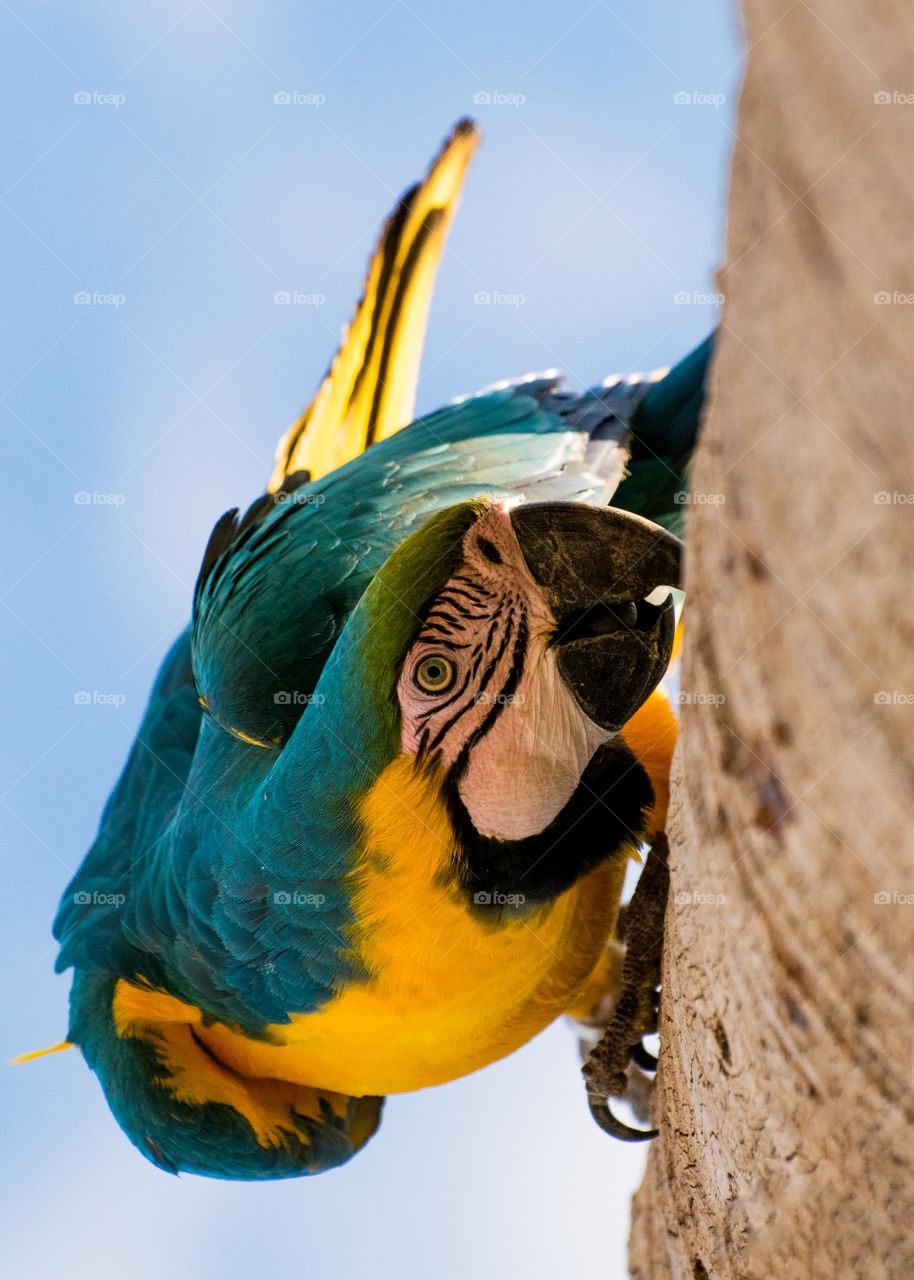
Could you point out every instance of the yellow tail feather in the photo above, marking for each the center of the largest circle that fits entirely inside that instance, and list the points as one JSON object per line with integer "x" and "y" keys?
{"x": 370, "y": 388}
{"x": 40, "y": 1053}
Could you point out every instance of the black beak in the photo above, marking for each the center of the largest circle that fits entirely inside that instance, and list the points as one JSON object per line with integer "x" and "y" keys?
{"x": 596, "y": 565}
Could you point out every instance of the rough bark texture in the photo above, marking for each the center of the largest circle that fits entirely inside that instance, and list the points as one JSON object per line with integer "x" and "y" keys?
{"x": 785, "y": 1086}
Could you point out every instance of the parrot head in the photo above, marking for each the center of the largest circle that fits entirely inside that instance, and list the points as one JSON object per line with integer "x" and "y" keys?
{"x": 504, "y": 647}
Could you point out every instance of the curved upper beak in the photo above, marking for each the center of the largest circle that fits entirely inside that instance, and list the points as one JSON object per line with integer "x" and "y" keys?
{"x": 597, "y": 566}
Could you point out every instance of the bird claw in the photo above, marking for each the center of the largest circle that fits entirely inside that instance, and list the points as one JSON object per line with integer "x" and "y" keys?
{"x": 606, "y": 1069}
{"x": 611, "y": 1124}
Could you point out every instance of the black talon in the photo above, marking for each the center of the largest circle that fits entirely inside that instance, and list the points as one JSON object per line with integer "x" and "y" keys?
{"x": 643, "y": 1058}
{"x": 600, "y": 1110}
{"x": 636, "y": 1011}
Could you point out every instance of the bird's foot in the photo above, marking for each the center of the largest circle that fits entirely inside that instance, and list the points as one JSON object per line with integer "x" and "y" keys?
{"x": 616, "y": 1065}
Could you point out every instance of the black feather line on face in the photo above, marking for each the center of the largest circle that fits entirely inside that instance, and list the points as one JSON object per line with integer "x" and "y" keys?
{"x": 514, "y": 675}
{"x": 444, "y": 641}
{"x": 459, "y": 593}
{"x": 472, "y": 584}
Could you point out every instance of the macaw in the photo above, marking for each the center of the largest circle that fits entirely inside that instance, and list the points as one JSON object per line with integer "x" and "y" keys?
{"x": 372, "y": 832}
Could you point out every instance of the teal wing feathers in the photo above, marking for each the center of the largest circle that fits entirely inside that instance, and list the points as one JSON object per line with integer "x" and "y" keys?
{"x": 664, "y": 430}
{"x": 89, "y": 921}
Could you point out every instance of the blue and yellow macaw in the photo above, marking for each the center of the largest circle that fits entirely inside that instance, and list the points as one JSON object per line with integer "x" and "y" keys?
{"x": 372, "y": 833}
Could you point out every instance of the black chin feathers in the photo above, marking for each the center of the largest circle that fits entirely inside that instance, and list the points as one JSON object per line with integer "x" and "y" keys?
{"x": 606, "y": 813}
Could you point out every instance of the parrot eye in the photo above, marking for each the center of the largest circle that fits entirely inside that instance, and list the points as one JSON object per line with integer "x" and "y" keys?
{"x": 435, "y": 674}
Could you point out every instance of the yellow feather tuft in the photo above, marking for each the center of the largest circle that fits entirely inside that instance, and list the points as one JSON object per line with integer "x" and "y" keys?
{"x": 40, "y": 1053}
{"x": 370, "y": 389}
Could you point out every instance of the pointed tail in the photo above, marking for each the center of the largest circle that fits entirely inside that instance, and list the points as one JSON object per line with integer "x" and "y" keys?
{"x": 370, "y": 388}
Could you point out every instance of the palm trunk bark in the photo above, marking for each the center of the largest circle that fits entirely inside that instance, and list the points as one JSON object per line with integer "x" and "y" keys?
{"x": 785, "y": 1085}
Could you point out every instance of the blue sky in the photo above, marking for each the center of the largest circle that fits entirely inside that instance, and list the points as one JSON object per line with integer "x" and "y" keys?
{"x": 148, "y": 165}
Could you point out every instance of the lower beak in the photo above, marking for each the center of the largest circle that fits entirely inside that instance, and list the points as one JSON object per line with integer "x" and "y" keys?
{"x": 597, "y": 567}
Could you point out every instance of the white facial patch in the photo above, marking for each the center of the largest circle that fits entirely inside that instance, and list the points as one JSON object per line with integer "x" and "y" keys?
{"x": 528, "y": 766}
{"x": 481, "y": 684}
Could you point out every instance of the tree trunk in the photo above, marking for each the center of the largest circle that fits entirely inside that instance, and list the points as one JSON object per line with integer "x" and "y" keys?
{"x": 785, "y": 1083}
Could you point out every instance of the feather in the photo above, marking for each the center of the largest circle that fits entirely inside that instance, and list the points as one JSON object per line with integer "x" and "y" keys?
{"x": 370, "y": 388}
